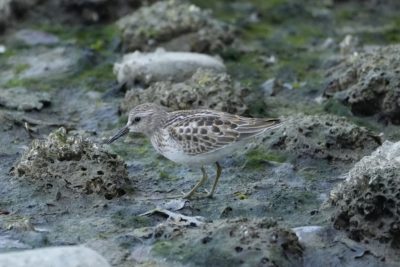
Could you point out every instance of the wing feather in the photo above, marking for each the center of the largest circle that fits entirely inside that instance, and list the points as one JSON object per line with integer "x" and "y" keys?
{"x": 204, "y": 131}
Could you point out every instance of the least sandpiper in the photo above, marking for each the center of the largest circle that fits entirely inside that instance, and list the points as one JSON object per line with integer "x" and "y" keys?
{"x": 194, "y": 137}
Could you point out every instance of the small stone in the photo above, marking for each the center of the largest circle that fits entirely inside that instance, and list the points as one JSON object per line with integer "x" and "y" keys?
{"x": 268, "y": 60}
{"x": 72, "y": 256}
{"x": 3, "y": 49}
{"x": 5, "y": 13}
{"x": 349, "y": 45}
{"x": 268, "y": 87}
{"x": 46, "y": 62}
{"x": 22, "y": 99}
{"x": 33, "y": 37}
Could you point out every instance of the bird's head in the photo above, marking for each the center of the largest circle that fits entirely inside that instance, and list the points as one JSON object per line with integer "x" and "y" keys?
{"x": 144, "y": 118}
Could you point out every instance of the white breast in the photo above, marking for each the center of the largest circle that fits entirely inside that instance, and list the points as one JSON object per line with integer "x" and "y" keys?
{"x": 171, "y": 151}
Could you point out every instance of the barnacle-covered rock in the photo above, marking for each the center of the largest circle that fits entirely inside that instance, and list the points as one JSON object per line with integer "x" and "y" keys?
{"x": 369, "y": 83}
{"x": 205, "y": 89}
{"x": 233, "y": 242}
{"x": 22, "y": 99}
{"x": 324, "y": 137}
{"x": 64, "y": 162}
{"x": 367, "y": 203}
{"x": 176, "y": 26}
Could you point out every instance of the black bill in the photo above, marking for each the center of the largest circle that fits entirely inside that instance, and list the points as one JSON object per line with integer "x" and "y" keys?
{"x": 121, "y": 133}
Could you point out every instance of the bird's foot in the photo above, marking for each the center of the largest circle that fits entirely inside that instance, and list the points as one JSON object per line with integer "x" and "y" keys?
{"x": 199, "y": 195}
{"x": 208, "y": 193}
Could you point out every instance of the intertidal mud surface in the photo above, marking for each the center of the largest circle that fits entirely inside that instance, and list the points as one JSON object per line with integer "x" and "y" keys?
{"x": 322, "y": 190}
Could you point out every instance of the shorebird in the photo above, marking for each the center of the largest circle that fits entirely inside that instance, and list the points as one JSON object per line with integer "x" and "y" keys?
{"x": 194, "y": 137}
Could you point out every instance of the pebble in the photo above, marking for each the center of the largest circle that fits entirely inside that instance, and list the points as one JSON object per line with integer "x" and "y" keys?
{"x": 73, "y": 256}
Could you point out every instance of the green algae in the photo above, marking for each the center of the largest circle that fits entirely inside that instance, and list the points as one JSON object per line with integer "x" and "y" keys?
{"x": 122, "y": 220}
{"x": 257, "y": 158}
{"x": 20, "y": 68}
{"x": 97, "y": 37}
{"x": 309, "y": 174}
{"x": 164, "y": 175}
{"x": 101, "y": 40}
{"x": 31, "y": 83}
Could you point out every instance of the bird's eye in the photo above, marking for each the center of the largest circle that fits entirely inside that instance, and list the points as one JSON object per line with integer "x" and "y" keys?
{"x": 137, "y": 119}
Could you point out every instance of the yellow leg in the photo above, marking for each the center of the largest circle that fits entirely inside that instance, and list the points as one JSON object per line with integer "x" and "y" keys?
{"x": 200, "y": 183}
{"x": 219, "y": 171}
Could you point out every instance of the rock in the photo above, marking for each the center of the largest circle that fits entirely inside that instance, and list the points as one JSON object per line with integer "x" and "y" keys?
{"x": 367, "y": 203}
{"x": 205, "y": 89}
{"x": 3, "y": 49}
{"x": 95, "y": 11}
{"x": 72, "y": 164}
{"x": 147, "y": 68}
{"x": 308, "y": 234}
{"x": 322, "y": 137}
{"x": 10, "y": 8}
{"x": 42, "y": 63}
{"x": 349, "y": 45}
{"x": 33, "y": 37}
{"x": 49, "y": 63}
{"x": 273, "y": 86}
{"x": 17, "y": 223}
{"x": 235, "y": 242}
{"x": 5, "y": 13}
{"x": 6, "y": 243}
{"x": 23, "y": 99}
{"x": 73, "y": 256}
{"x": 269, "y": 87}
{"x": 368, "y": 82}
{"x": 176, "y": 26}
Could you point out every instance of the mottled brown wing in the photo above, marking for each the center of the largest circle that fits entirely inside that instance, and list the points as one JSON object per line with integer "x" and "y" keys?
{"x": 199, "y": 132}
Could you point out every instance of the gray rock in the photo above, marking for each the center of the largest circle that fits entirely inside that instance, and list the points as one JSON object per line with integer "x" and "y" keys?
{"x": 3, "y": 49}
{"x": 322, "y": 137}
{"x": 174, "y": 25}
{"x": 33, "y": 37}
{"x": 368, "y": 82}
{"x": 95, "y": 11}
{"x": 349, "y": 45}
{"x": 48, "y": 63}
{"x": 10, "y": 7}
{"x": 72, "y": 165}
{"x": 6, "y": 243}
{"x": 367, "y": 202}
{"x": 5, "y": 12}
{"x": 235, "y": 242}
{"x": 23, "y": 99}
{"x": 74, "y": 256}
{"x": 147, "y": 68}
{"x": 205, "y": 89}
{"x": 273, "y": 86}
{"x": 41, "y": 63}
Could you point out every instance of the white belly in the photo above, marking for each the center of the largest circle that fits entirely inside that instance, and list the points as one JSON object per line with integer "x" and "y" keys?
{"x": 172, "y": 152}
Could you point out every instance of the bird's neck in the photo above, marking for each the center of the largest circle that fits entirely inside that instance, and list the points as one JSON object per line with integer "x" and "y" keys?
{"x": 156, "y": 124}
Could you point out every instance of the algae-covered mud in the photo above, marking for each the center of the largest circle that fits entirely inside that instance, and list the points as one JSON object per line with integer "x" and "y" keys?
{"x": 321, "y": 190}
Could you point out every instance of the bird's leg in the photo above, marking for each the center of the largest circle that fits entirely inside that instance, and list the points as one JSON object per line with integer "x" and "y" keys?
{"x": 202, "y": 180}
{"x": 219, "y": 171}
